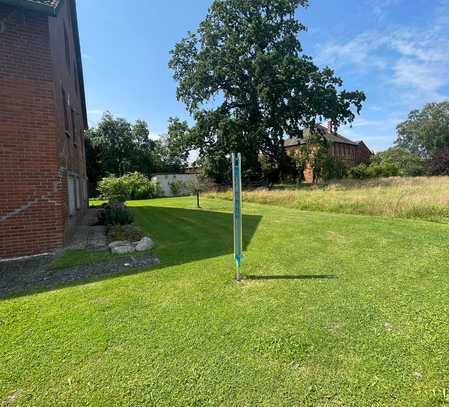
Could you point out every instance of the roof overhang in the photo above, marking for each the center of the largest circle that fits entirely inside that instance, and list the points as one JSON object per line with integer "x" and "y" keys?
{"x": 50, "y": 9}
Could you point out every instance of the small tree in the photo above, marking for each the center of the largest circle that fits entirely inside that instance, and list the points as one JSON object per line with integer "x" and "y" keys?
{"x": 198, "y": 185}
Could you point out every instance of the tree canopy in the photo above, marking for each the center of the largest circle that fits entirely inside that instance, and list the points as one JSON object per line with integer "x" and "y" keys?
{"x": 408, "y": 164}
{"x": 245, "y": 80}
{"x": 426, "y": 131}
{"x": 117, "y": 147}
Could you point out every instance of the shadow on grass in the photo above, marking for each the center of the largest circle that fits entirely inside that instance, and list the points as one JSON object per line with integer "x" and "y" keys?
{"x": 289, "y": 277}
{"x": 182, "y": 236}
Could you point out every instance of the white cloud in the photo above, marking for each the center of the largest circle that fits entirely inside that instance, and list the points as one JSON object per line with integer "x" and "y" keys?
{"x": 414, "y": 60}
{"x": 154, "y": 136}
{"x": 367, "y": 123}
{"x": 380, "y": 8}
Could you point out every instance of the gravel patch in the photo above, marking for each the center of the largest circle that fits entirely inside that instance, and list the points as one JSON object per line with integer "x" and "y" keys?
{"x": 32, "y": 274}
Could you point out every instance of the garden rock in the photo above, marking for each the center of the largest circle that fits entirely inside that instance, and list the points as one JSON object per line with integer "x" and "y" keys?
{"x": 121, "y": 247}
{"x": 144, "y": 244}
{"x": 118, "y": 243}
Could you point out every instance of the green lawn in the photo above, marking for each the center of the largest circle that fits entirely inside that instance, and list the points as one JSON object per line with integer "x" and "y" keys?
{"x": 336, "y": 310}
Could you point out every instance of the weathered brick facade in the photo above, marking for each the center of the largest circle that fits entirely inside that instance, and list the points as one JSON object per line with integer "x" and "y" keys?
{"x": 40, "y": 149}
{"x": 349, "y": 152}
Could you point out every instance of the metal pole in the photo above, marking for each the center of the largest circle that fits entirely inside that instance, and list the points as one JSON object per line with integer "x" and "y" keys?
{"x": 237, "y": 200}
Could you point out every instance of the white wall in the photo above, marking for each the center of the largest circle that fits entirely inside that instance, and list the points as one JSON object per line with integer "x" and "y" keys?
{"x": 165, "y": 180}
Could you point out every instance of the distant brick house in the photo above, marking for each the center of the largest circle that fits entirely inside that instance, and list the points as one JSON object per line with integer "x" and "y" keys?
{"x": 43, "y": 190}
{"x": 350, "y": 152}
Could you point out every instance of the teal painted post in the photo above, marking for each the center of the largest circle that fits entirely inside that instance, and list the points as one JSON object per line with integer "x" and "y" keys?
{"x": 237, "y": 200}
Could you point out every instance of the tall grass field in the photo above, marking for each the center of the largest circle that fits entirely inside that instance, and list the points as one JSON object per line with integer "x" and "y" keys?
{"x": 424, "y": 198}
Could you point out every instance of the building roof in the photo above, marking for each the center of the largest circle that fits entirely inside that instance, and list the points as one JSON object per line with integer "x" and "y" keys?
{"x": 335, "y": 137}
{"x": 293, "y": 141}
{"x": 332, "y": 137}
{"x": 48, "y": 7}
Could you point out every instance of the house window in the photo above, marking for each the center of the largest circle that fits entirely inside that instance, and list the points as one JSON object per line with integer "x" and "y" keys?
{"x": 67, "y": 47}
{"x": 77, "y": 193}
{"x": 82, "y": 143}
{"x": 72, "y": 114}
{"x": 71, "y": 194}
{"x": 66, "y": 114}
{"x": 75, "y": 76}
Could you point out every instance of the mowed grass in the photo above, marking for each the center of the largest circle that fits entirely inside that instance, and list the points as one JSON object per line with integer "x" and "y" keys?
{"x": 413, "y": 198}
{"x": 336, "y": 310}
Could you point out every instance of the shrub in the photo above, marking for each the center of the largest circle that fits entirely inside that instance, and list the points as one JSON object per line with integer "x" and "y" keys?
{"x": 388, "y": 169}
{"x": 128, "y": 187}
{"x": 130, "y": 233}
{"x": 117, "y": 214}
{"x": 439, "y": 163}
{"x": 374, "y": 170}
{"x": 385, "y": 169}
{"x": 358, "y": 172}
{"x": 333, "y": 168}
{"x": 408, "y": 164}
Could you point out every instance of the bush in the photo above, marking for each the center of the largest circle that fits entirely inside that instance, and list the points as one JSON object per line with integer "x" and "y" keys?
{"x": 358, "y": 172}
{"x": 115, "y": 214}
{"x": 334, "y": 169}
{"x": 130, "y": 233}
{"x": 374, "y": 170}
{"x": 128, "y": 187}
{"x": 407, "y": 164}
{"x": 439, "y": 163}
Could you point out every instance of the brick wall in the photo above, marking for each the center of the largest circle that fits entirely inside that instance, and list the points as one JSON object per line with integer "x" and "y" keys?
{"x": 295, "y": 151}
{"x": 70, "y": 144}
{"x": 35, "y": 152}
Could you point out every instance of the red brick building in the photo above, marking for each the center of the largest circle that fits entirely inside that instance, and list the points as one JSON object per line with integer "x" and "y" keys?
{"x": 43, "y": 184}
{"x": 350, "y": 152}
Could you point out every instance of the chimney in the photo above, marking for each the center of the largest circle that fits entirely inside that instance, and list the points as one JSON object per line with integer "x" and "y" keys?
{"x": 330, "y": 129}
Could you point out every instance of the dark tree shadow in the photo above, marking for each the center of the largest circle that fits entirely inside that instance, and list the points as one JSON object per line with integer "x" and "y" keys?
{"x": 182, "y": 236}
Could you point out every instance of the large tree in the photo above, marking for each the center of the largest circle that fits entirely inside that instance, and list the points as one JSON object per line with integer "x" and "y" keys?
{"x": 117, "y": 147}
{"x": 426, "y": 131}
{"x": 243, "y": 77}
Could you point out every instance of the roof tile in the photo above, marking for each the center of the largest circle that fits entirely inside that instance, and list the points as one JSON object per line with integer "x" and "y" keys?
{"x": 51, "y": 3}
{"x": 45, "y": 6}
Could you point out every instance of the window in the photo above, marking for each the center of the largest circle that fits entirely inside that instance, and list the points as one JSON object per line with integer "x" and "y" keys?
{"x": 66, "y": 114}
{"x": 75, "y": 78}
{"x": 67, "y": 47}
{"x": 82, "y": 144}
{"x": 72, "y": 114}
{"x": 77, "y": 193}
{"x": 71, "y": 194}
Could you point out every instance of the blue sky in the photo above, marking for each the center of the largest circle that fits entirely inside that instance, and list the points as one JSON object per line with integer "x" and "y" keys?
{"x": 397, "y": 51}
